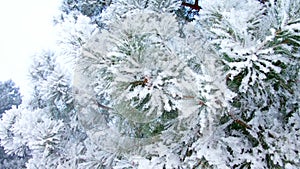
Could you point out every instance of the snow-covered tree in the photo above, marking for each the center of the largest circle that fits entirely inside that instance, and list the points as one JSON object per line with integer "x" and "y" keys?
{"x": 224, "y": 95}
{"x": 46, "y": 128}
{"x": 9, "y": 96}
{"x": 54, "y": 90}
{"x": 144, "y": 93}
{"x": 91, "y": 9}
{"x": 73, "y": 34}
{"x": 159, "y": 88}
{"x": 259, "y": 46}
{"x": 22, "y": 129}
{"x": 81, "y": 18}
{"x": 51, "y": 87}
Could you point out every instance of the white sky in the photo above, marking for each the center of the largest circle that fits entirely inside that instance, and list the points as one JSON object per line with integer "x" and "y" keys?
{"x": 25, "y": 28}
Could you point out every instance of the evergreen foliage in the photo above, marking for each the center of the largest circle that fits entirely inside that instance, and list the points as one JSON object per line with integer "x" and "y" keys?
{"x": 51, "y": 88}
{"x": 260, "y": 51}
{"x": 9, "y": 96}
{"x": 258, "y": 48}
{"x": 45, "y": 129}
{"x": 91, "y": 9}
{"x": 156, "y": 87}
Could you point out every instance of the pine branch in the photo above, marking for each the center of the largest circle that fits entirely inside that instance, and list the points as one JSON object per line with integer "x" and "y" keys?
{"x": 103, "y": 106}
{"x": 239, "y": 121}
{"x": 91, "y": 99}
{"x": 143, "y": 83}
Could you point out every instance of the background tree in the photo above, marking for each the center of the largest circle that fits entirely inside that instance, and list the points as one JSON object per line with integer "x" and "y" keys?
{"x": 9, "y": 96}
{"x": 54, "y": 91}
{"x": 91, "y": 9}
{"x": 45, "y": 129}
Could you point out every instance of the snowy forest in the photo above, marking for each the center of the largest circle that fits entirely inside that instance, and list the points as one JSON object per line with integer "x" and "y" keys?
{"x": 153, "y": 84}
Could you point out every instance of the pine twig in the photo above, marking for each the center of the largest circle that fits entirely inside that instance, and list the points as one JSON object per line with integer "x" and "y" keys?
{"x": 239, "y": 121}
{"x": 103, "y": 106}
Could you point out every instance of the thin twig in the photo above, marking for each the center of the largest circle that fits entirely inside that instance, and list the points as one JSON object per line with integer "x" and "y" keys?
{"x": 239, "y": 121}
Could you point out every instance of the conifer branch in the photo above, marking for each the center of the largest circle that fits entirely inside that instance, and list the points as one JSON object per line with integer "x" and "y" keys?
{"x": 239, "y": 121}
{"x": 103, "y": 106}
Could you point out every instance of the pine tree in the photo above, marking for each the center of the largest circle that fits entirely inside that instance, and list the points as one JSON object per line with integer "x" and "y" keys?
{"x": 156, "y": 90}
{"x": 91, "y": 9}
{"x": 9, "y": 96}
{"x": 156, "y": 87}
{"x": 73, "y": 34}
{"x": 55, "y": 90}
{"x": 144, "y": 93}
{"x": 45, "y": 129}
{"x": 259, "y": 46}
{"x": 51, "y": 88}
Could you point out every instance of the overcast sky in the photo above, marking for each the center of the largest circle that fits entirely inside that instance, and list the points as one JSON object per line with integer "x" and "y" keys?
{"x": 26, "y": 27}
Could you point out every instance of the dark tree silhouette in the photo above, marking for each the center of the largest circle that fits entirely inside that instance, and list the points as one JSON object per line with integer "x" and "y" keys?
{"x": 9, "y": 96}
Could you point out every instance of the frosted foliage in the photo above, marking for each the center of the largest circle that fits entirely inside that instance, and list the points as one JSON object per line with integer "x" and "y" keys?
{"x": 284, "y": 14}
{"x": 94, "y": 157}
{"x": 239, "y": 42}
{"x": 8, "y": 138}
{"x": 139, "y": 65}
{"x": 267, "y": 140}
{"x": 143, "y": 62}
{"x": 283, "y": 142}
{"x": 259, "y": 46}
{"x": 41, "y": 136}
{"x": 274, "y": 142}
{"x": 45, "y": 134}
{"x": 42, "y": 66}
{"x": 248, "y": 53}
{"x": 119, "y": 8}
{"x": 226, "y": 16}
{"x": 49, "y": 128}
{"x": 52, "y": 87}
{"x": 56, "y": 88}
{"x": 165, "y": 6}
{"x": 152, "y": 90}
{"x": 73, "y": 34}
